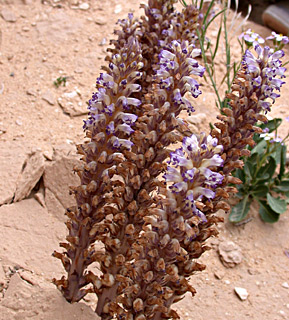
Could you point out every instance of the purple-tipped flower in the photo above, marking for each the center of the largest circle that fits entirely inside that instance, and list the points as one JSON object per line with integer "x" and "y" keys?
{"x": 263, "y": 71}
{"x": 191, "y": 172}
{"x": 178, "y": 59}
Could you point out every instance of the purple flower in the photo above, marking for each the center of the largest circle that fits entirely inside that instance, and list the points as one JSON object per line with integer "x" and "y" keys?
{"x": 125, "y": 128}
{"x": 191, "y": 174}
{"x": 109, "y": 109}
{"x": 110, "y": 128}
{"x": 180, "y": 160}
{"x": 127, "y": 118}
{"x": 179, "y": 187}
{"x": 262, "y": 72}
{"x": 215, "y": 161}
{"x": 119, "y": 143}
{"x": 172, "y": 175}
{"x": 287, "y": 119}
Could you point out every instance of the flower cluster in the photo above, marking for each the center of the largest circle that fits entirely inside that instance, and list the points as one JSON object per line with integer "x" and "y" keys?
{"x": 191, "y": 174}
{"x": 264, "y": 70}
{"x": 152, "y": 229}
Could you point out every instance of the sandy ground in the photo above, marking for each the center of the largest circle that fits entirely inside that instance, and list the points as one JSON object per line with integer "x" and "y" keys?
{"x": 39, "y": 127}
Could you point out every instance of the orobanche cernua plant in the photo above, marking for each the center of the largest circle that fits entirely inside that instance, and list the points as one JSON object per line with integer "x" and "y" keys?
{"x": 151, "y": 204}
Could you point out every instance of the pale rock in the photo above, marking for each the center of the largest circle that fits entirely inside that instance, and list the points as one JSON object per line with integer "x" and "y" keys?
{"x": 78, "y": 70}
{"x": 100, "y": 21}
{"x": 242, "y": 293}
{"x": 48, "y": 154}
{"x": 12, "y": 157}
{"x": 285, "y": 285}
{"x": 230, "y": 254}
{"x": 31, "y": 92}
{"x": 64, "y": 150}
{"x": 103, "y": 42}
{"x": 39, "y": 196}
{"x": 41, "y": 300}
{"x": 72, "y": 108}
{"x": 8, "y": 15}
{"x": 18, "y": 122}
{"x": 48, "y": 97}
{"x": 54, "y": 206}
{"x": 70, "y": 95}
{"x": 31, "y": 174}
{"x": 58, "y": 176}
{"x": 28, "y": 237}
{"x": 84, "y": 6}
{"x": 118, "y": 9}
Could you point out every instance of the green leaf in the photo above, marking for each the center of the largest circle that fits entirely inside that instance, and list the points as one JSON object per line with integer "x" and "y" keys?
{"x": 259, "y": 191}
{"x": 240, "y": 211}
{"x": 266, "y": 213}
{"x": 277, "y": 153}
{"x": 276, "y": 204}
{"x": 260, "y": 147}
{"x": 272, "y": 124}
{"x": 283, "y": 186}
{"x": 239, "y": 173}
{"x": 282, "y": 162}
{"x": 268, "y": 168}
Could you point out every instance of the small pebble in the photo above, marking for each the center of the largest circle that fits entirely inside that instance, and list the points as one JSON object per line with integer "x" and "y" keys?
{"x": 100, "y": 21}
{"x": 102, "y": 42}
{"x": 83, "y": 6}
{"x": 285, "y": 285}
{"x": 18, "y": 122}
{"x": 242, "y": 293}
{"x": 70, "y": 95}
{"x": 25, "y": 29}
{"x": 31, "y": 92}
{"x": 219, "y": 274}
{"x": 118, "y": 9}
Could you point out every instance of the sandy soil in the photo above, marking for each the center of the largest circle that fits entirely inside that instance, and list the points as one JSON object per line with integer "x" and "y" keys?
{"x": 39, "y": 127}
